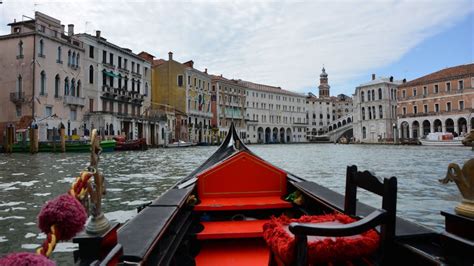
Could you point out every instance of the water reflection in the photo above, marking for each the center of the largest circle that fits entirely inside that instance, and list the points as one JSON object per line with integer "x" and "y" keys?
{"x": 134, "y": 178}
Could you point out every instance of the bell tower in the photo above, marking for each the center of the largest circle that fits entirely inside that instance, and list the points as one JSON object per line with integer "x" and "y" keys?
{"x": 323, "y": 85}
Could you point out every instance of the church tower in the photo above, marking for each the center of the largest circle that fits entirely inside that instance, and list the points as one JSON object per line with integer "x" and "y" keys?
{"x": 323, "y": 85}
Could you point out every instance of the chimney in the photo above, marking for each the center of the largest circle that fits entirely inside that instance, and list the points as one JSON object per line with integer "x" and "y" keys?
{"x": 404, "y": 80}
{"x": 205, "y": 70}
{"x": 391, "y": 78}
{"x": 63, "y": 28}
{"x": 70, "y": 29}
{"x": 97, "y": 33}
{"x": 170, "y": 56}
{"x": 373, "y": 76}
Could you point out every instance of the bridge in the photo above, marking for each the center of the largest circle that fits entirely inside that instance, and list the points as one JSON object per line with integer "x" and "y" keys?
{"x": 338, "y": 128}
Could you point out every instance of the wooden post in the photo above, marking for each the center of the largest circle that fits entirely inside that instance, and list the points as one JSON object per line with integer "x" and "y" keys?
{"x": 34, "y": 138}
{"x": 62, "y": 131}
{"x": 54, "y": 139}
{"x": 10, "y": 139}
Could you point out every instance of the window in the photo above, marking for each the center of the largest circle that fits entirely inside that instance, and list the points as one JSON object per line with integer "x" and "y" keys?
{"x": 436, "y": 107}
{"x": 425, "y": 108}
{"x": 120, "y": 81}
{"x": 373, "y": 95}
{"x": 125, "y": 63}
{"x": 364, "y": 133}
{"x": 370, "y": 113}
{"x": 78, "y": 89}
{"x": 73, "y": 115}
{"x": 66, "y": 86}
{"x": 414, "y": 92}
{"x": 436, "y": 88}
{"x": 120, "y": 62}
{"x": 380, "y": 93}
{"x": 461, "y": 105}
{"x": 91, "y": 51}
{"x": 404, "y": 93}
{"x": 58, "y": 59}
{"x": 18, "y": 110}
{"x": 41, "y": 48}
{"x": 448, "y": 86}
{"x": 19, "y": 86}
{"x": 69, "y": 57}
{"x": 425, "y": 91}
{"x": 20, "y": 50}
{"x": 104, "y": 57}
{"x": 380, "y": 112}
{"x": 17, "y": 29}
{"x": 43, "y": 83}
{"x": 77, "y": 60}
{"x": 368, "y": 96}
{"x": 460, "y": 84}
{"x": 91, "y": 74}
{"x": 362, "y": 96}
{"x": 448, "y": 106}
{"x": 180, "y": 80}
{"x": 48, "y": 111}
{"x": 133, "y": 66}
{"x": 56, "y": 86}
{"x": 146, "y": 89}
{"x": 138, "y": 68}
{"x": 91, "y": 105}
{"x": 404, "y": 111}
{"x": 73, "y": 62}
{"x": 111, "y": 58}
{"x": 415, "y": 109}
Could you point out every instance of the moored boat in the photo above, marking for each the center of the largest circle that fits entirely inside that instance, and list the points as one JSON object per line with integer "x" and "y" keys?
{"x": 180, "y": 144}
{"x": 441, "y": 139}
{"x": 238, "y": 209}
{"x": 71, "y": 146}
{"x": 128, "y": 145}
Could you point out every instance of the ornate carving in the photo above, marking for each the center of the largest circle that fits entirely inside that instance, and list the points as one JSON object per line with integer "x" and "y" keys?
{"x": 464, "y": 179}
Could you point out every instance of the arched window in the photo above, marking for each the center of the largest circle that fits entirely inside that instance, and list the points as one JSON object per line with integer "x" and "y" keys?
{"x": 368, "y": 96}
{"x": 77, "y": 60}
{"x": 56, "y": 86}
{"x": 66, "y": 86}
{"x": 41, "y": 48}
{"x": 373, "y": 95}
{"x": 380, "y": 93}
{"x": 69, "y": 58}
{"x": 364, "y": 133}
{"x": 19, "y": 85}
{"x": 78, "y": 90}
{"x": 162, "y": 133}
{"x": 370, "y": 112}
{"x": 73, "y": 61}
{"x": 42, "y": 83}
{"x": 380, "y": 112}
{"x": 363, "y": 113}
{"x": 362, "y": 97}
{"x": 373, "y": 112}
{"x": 73, "y": 87}
{"x": 91, "y": 74}
{"x": 20, "y": 49}
{"x": 133, "y": 84}
{"x": 59, "y": 54}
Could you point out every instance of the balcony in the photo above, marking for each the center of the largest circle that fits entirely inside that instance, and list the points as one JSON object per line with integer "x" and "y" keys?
{"x": 72, "y": 100}
{"x": 17, "y": 97}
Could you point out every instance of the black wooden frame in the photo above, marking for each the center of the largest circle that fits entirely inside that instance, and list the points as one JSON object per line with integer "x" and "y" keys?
{"x": 386, "y": 217}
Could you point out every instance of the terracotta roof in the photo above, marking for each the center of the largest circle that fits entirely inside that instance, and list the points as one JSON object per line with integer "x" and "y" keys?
{"x": 444, "y": 74}
{"x": 158, "y": 62}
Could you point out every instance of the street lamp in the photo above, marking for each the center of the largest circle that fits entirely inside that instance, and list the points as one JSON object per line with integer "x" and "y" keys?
{"x": 394, "y": 125}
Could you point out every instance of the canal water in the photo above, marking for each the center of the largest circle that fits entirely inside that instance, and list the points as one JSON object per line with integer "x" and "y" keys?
{"x": 135, "y": 178}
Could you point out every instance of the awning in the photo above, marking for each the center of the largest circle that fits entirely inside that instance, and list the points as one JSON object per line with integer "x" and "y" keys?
{"x": 110, "y": 74}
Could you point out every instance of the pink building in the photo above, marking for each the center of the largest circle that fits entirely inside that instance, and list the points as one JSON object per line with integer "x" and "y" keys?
{"x": 40, "y": 77}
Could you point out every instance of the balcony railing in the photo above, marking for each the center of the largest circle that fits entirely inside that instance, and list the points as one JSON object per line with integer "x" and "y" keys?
{"x": 72, "y": 100}
{"x": 17, "y": 97}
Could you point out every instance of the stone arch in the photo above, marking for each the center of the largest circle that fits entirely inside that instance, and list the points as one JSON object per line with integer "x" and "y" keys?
{"x": 260, "y": 135}
{"x": 330, "y": 128}
{"x": 275, "y": 134}
{"x": 462, "y": 125}
{"x": 405, "y": 130}
{"x": 343, "y": 122}
{"x": 268, "y": 135}
{"x": 282, "y": 135}
{"x": 349, "y": 120}
{"x": 426, "y": 127}
{"x": 288, "y": 135}
{"x": 472, "y": 123}
{"x": 415, "y": 129}
{"x": 339, "y": 124}
{"x": 437, "y": 125}
{"x": 449, "y": 124}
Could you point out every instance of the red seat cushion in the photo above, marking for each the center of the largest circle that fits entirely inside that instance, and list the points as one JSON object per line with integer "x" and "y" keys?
{"x": 320, "y": 249}
{"x": 241, "y": 203}
{"x": 232, "y": 229}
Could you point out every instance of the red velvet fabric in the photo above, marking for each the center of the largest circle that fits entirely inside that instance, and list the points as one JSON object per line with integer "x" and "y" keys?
{"x": 320, "y": 249}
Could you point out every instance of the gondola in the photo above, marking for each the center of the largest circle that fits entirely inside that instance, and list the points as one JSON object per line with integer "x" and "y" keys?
{"x": 238, "y": 209}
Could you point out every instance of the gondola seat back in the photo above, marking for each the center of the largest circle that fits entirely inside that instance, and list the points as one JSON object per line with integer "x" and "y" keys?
{"x": 242, "y": 182}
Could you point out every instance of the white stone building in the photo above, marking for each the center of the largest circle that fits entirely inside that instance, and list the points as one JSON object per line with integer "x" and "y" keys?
{"x": 375, "y": 107}
{"x": 274, "y": 115}
{"x": 118, "y": 89}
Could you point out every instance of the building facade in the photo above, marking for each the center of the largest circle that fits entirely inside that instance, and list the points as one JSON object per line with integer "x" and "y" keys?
{"x": 442, "y": 101}
{"x": 274, "y": 115}
{"x": 230, "y": 98}
{"x": 118, "y": 86}
{"x": 375, "y": 105}
{"x": 41, "y": 72}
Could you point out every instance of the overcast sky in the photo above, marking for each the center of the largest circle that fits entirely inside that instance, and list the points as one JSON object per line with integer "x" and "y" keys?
{"x": 278, "y": 43}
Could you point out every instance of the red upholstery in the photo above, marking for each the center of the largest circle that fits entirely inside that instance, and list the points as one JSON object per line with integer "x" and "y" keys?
{"x": 232, "y": 229}
{"x": 233, "y": 252}
{"x": 241, "y": 182}
{"x": 320, "y": 249}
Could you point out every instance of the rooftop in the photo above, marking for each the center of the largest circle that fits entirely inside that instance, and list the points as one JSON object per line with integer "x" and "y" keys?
{"x": 444, "y": 74}
{"x": 268, "y": 88}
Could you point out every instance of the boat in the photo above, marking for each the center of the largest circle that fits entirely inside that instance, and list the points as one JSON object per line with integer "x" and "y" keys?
{"x": 180, "y": 144}
{"x": 71, "y": 146}
{"x": 238, "y": 209}
{"x": 127, "y": 145}
{"x": 441, "y": 139}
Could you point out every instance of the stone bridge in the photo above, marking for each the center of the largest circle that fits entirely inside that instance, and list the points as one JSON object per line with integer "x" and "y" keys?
{"x": 340, "y": 127}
